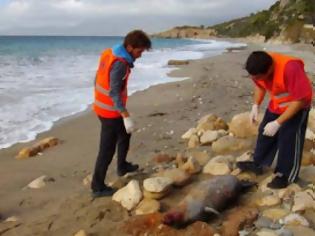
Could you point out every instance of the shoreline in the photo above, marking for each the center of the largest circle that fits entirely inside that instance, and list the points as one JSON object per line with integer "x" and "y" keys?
{"x": 216, "y": 85}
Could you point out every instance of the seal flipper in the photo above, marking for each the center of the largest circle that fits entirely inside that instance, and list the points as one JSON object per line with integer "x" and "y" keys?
{"x": 211, "y": 210}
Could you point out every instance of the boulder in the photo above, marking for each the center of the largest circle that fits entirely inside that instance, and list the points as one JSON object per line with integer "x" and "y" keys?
{"x": 157, "y": 184}
{"x": 129, "y": 196}
{"x": 160, "y": 195}
{"x": 211, "y": 122}
{"x": 147, "y": 206}
{"x": 209, "y": 136}
{"x": 229, "y": 144}
{"x": 215, "y": 168}
{"x": 304, "y": 200}
{"x": 241, "y": 127}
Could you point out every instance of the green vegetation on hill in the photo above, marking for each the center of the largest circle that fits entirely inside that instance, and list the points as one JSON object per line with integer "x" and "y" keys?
{"x": 288, "y": 19}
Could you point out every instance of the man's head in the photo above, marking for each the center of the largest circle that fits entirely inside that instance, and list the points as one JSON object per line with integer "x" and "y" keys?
{"x": 259, "y": 65}
{"x": 136, "y": 42}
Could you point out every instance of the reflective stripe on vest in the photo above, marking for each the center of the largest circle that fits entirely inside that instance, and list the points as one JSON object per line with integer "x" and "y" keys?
{"x": 101, "y": 90}
{"x": 281, "y": 95}
{"x": 104, "y": 106}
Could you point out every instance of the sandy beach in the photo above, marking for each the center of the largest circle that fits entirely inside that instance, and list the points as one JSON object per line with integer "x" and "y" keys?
{"x": 217, "y": 85}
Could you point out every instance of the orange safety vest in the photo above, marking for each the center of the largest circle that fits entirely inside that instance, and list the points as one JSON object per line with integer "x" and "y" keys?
{"x": 103, "y": 103}
{"x": 280, "y": 98}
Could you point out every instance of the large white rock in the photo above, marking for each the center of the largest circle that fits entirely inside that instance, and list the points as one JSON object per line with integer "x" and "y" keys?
{"x": 241, "y": 127}
{"x": 40, "y": 182}
{"x": 216, "y": 168}
{"x": 157, "y": 184}
{"x": 304, "y": 200}
{"x": 129, "y": 196}
{"x": 147, "y": 206}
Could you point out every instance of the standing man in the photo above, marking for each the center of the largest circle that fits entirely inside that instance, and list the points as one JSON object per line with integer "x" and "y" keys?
{"x": 110, "y": 107}
{"x": 282, "y": 130}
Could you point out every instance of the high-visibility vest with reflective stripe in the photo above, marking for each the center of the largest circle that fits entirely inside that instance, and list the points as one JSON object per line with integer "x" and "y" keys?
{"x": 103, "y": 103}
{"x": 280, "y": 98}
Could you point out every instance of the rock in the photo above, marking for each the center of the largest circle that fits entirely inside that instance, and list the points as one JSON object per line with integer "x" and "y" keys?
{"x": 12, "y": 219}
{"x": 177, "y": 62}
{"x": 163, "y": 158}
{"x": 308, "y": 174}
{"x": 241, "y": 127}
{"x": 80, "y": 233}
{"x": 193, "y": 141}
{"x": 191, "y": 166}
{"x": 296, "y": 220}
{"x": 37, "y": 148}
{"x": 40, "y": 182}
{"x": 178, "y": 176}
{"x": 311, "y": 120}
{"x": 129, "y": 196}
{"x": 236, "y": 172}
{"x": 308, "y": 158}
{"x": 284, "y": 232}
{"x": 211, "y": 122}
{"x": 246, "y": 156}
{"x": 151, "y": 195}
{"x": 216, "y": 168}
{"x": 229, "y": 144}
{"x": 189, "y": 133}
{"x": 275, "y": 214}
{"x": 264, "y": 222}
{"x": 288, "y": 192}
{"x": 209, "y": 136}
{"x": 301, "y": 231}
{"x": 268, "y": 201}
{"x": 87, "y": 180}
{"x": 227, "y": 159}
{"x": 266, "y": 232}
{"x": 157, "y": 184}
{"x": 202, "y": 157}
{"x": 180, "y": 160}
{"x": 309, "y": 135}
{"x": 304, "y": 200}
{"x": 147, "y": 206}
{"x": 246, "y": 176}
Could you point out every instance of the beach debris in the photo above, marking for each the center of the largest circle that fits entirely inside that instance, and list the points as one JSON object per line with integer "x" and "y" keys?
{"x": 129, "y": 196}
{"x": 177, "y": 62}
{"x": 147, "y": 206}
{"x": 207, "y": 196}
{"x": 40, "y": 182}
{"x": 37, "y": 148}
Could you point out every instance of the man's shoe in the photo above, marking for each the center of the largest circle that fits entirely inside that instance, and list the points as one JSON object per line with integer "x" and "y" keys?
{"x": 278, "y": 182}
{"x": 127, "y": 167}
{"x": 106, "y": 192}
{"x": 250, "y": 166}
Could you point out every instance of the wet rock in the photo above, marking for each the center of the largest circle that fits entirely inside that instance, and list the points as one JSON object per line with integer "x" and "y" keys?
{"x": 192, "y": 166}
{"x": 147, "y": 206}
{"x": 241, "y": 127}
{"x": 40, "y": 182}
{"x": 129, "y": 196}
{"x": 216, "y": 168}
{"x": 229, "y": 144}
{"x": 178, "y": 176}
{"x": 157, "y": 184}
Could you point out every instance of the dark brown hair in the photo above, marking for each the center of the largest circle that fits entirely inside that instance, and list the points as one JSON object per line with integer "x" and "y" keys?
{"x": 137, "y": 39}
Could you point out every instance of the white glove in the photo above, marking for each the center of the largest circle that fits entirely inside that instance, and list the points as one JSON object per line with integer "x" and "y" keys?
{"x": 253, "y": 115}
{"x": 271, "y": 128}
{"x": 129, "y": 125}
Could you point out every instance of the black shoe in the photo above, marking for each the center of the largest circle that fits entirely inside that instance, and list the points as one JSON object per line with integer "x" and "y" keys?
{"x": 250, "y": 166}
{"x": 127, "y": 167}
{"x": 278, "y": 182}
{"x": 106, "y": 192}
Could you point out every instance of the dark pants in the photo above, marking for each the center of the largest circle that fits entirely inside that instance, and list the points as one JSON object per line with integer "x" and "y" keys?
{"x": 286, "y": 145}
{"x": 113, "y": 133}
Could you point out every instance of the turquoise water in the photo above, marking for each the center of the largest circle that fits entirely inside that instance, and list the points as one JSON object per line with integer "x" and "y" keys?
{"x": 43, "y": 79}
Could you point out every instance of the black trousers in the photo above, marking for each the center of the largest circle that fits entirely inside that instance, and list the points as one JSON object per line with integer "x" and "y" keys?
{"x": 113, "y": 133}
{"x": 286, "y": 145}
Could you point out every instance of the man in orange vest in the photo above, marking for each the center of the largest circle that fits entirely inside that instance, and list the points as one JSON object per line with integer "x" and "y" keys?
{"x": 110, "y": 106}
{"x": 282, "y": 130}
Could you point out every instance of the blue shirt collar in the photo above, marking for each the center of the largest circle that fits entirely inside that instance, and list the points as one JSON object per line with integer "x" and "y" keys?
{"x": 120, "y": 51}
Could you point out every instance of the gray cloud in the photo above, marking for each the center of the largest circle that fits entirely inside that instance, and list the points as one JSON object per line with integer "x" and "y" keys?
{"x": 116, "y": 17}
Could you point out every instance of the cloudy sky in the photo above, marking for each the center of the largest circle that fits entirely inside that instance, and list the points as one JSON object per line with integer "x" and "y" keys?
{"x": 116, "y": 17}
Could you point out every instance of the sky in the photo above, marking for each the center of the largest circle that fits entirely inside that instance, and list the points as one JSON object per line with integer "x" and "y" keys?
{"x": 117, "y": 17}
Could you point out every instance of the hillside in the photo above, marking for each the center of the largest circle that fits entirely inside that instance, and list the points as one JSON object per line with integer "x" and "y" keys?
{"x": 285, "y": 21}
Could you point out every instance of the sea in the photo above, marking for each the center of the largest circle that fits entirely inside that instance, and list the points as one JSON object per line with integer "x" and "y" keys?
{"x": 46, "y": 78}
